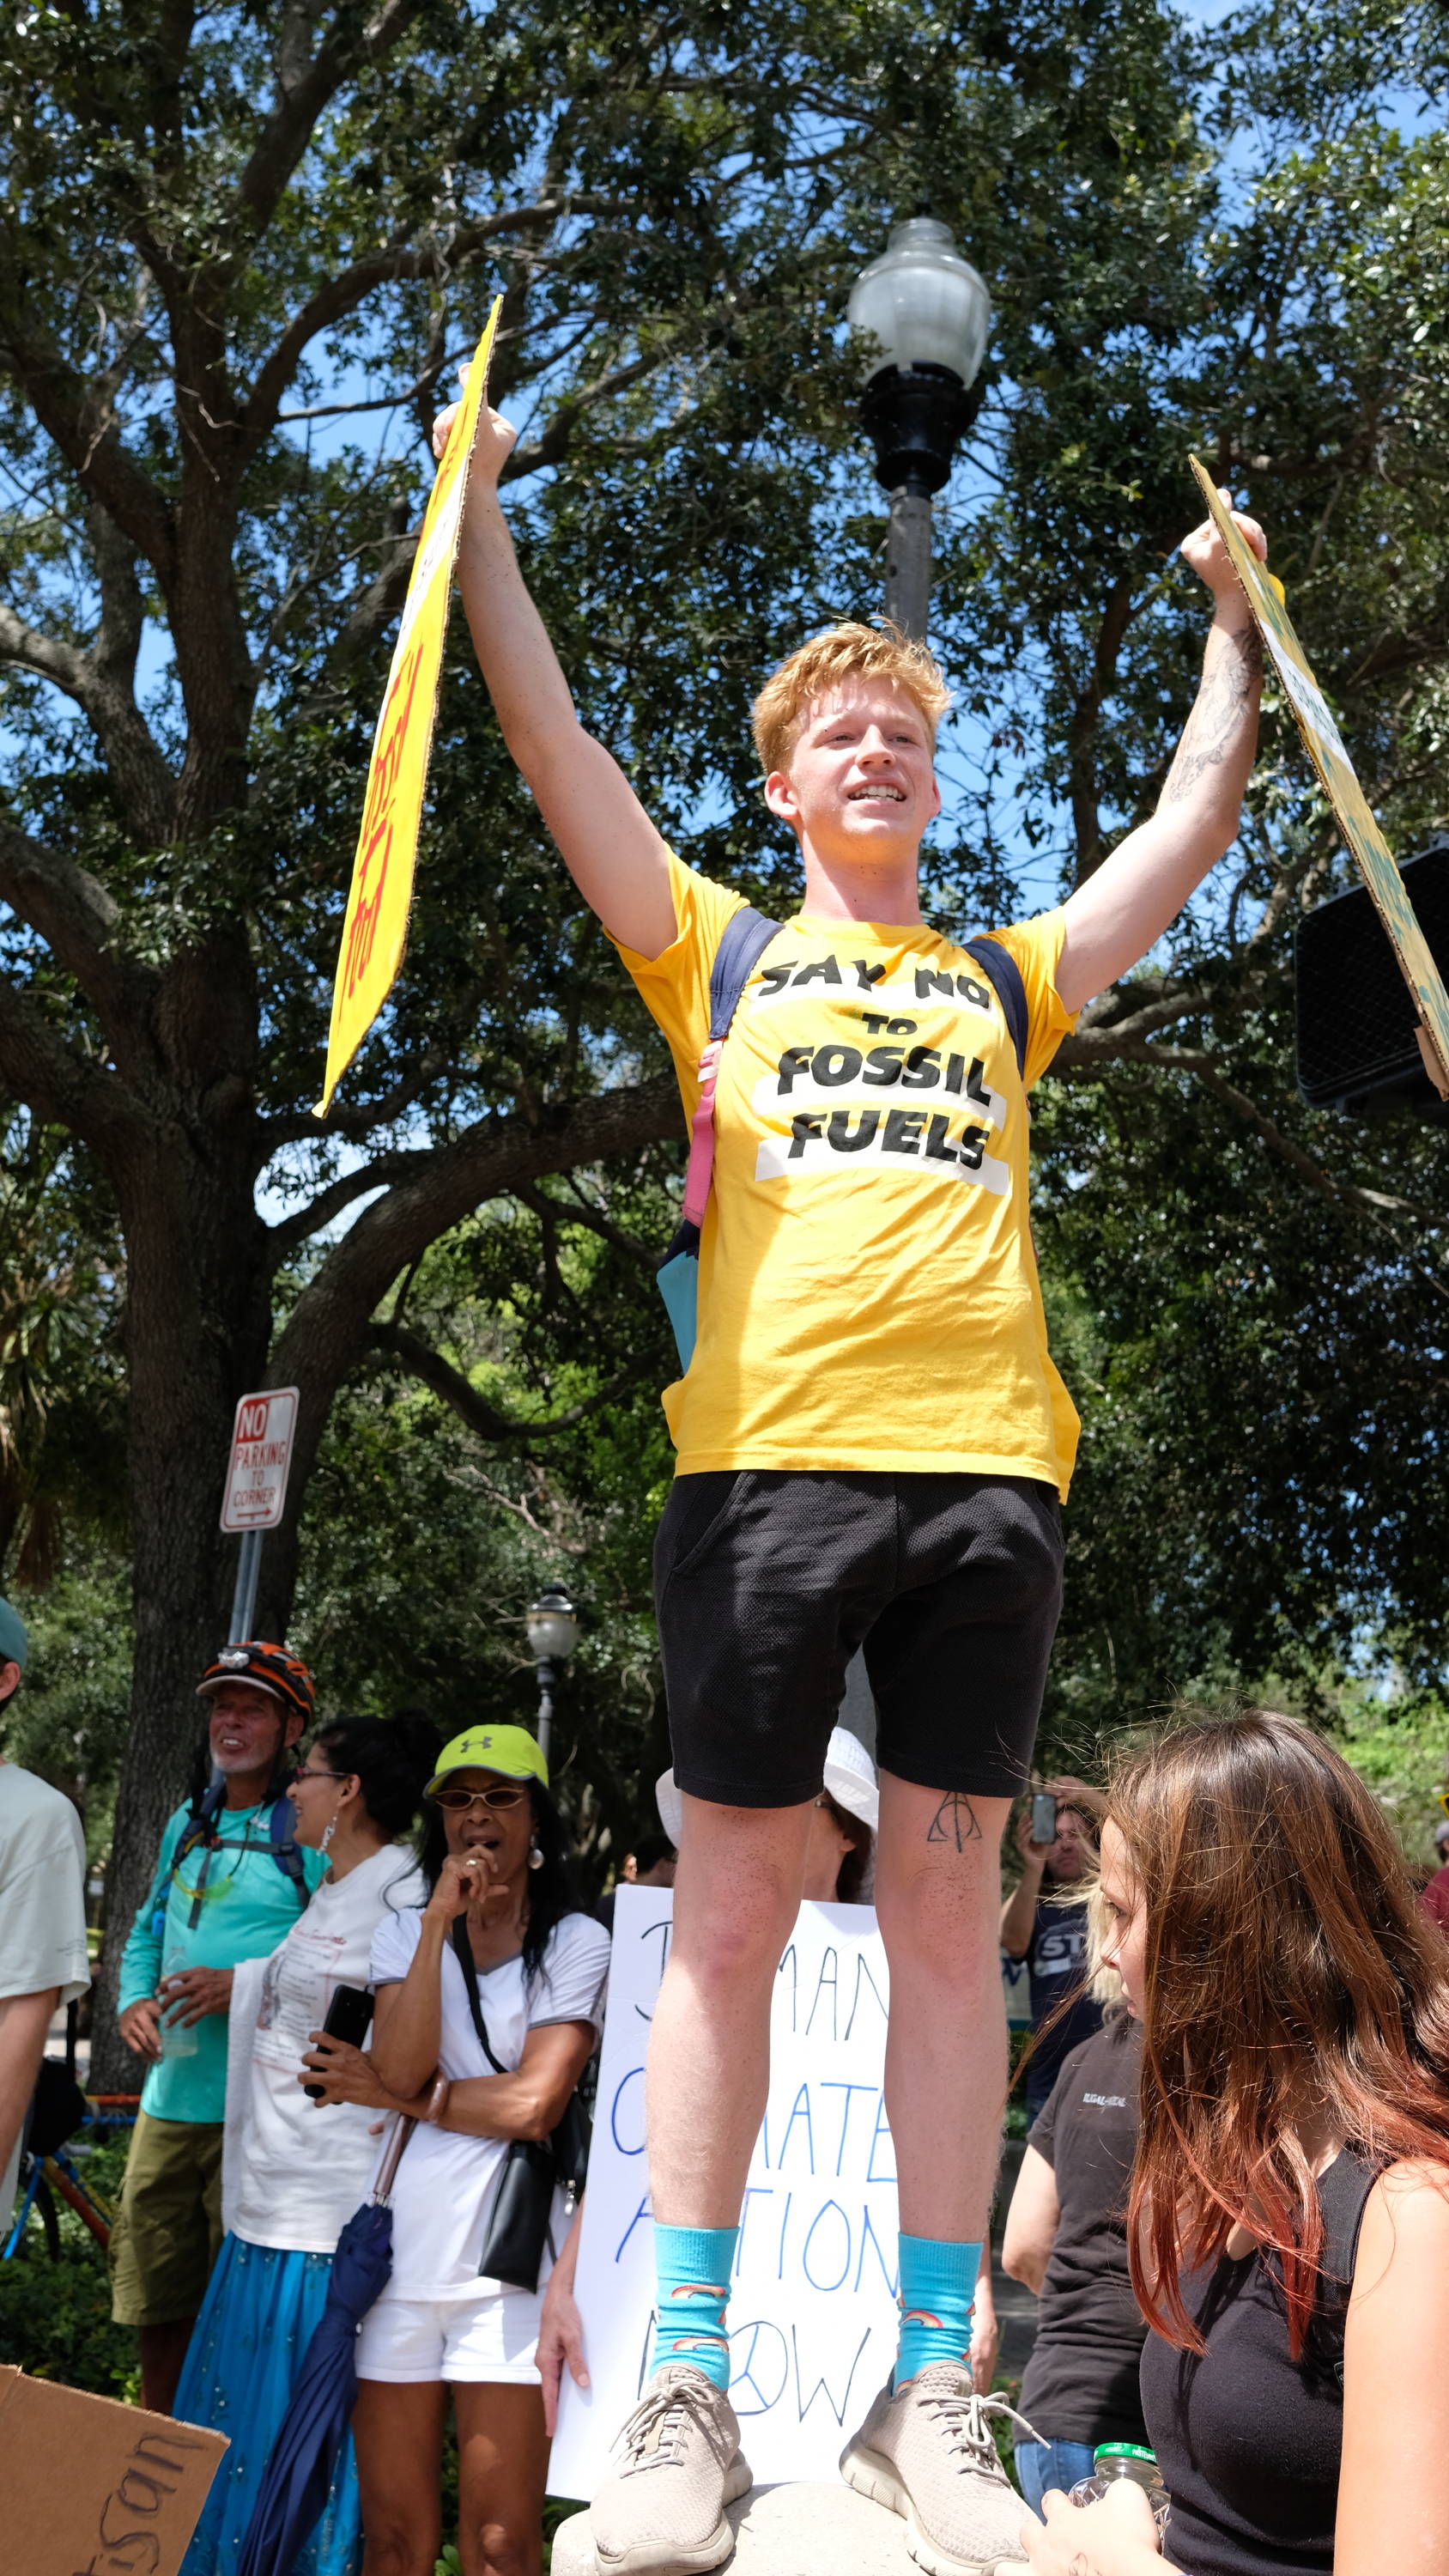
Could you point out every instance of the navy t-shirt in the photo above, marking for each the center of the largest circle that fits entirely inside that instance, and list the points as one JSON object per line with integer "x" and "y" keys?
{"x": 1057, "y": 1965}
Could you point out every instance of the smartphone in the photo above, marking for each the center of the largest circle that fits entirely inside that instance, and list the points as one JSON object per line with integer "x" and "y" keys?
{"x": 349, "y": 2017}
{"x": 1043, "y": 1817}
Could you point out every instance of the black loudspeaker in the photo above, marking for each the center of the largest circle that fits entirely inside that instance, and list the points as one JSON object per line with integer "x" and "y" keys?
{"x": 1357, "y": 1049}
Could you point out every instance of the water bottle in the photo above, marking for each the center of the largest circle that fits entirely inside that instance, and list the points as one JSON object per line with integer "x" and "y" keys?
{"x": 1113, "y": 2461}
{"x": 176, "y": 2041}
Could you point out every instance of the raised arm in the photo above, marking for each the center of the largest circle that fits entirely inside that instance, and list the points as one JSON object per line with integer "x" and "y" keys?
{"x": 1123, "y": 909}
{"x": 611, "y": 849}
{"x": 1018, "y": 1914}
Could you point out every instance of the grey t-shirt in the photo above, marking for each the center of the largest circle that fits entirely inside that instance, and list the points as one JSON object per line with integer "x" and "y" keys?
{"x": 42, "y": 1910}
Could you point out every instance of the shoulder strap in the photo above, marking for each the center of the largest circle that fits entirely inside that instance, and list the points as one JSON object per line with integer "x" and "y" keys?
{"x": 1003, "y": 974}
{"x": 285, "y": 1852}
{"x": 469, "y": 1965}
{"x": 747, "y": 934}
{"x": 198, "y": 1828}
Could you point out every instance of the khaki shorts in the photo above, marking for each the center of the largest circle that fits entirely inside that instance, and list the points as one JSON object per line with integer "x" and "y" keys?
{"x": 167, "y": 2231}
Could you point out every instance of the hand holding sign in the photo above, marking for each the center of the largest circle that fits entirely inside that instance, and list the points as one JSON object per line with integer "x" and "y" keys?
{"x": 494, "y": 438}
{"x": 1325, "y": 747}
{"x": 1210, "y": 559}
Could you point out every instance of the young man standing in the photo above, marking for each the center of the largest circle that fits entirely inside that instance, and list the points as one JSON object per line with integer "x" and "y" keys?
{"x": 229, "y": 1885}
{"x": 873, "y": 1445}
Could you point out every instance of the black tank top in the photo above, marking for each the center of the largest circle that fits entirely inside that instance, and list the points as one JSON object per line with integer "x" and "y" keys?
{"x": 1247, "y": 2439}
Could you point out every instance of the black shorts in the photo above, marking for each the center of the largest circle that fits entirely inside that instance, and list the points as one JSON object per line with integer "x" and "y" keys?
{"x": 767, "y": 1580}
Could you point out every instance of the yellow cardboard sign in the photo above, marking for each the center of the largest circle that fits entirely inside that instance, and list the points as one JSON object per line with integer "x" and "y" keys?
{"x": 1376, "y": 863}
{"x": 375, "y": 925}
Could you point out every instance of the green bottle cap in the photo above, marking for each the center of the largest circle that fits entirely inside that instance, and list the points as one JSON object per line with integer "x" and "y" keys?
{"x": 1123, "y": 2451}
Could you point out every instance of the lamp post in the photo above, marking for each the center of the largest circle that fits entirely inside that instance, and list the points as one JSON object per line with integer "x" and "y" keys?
{"x": 553, "y": 1633}
{"x": 928, "y": 313}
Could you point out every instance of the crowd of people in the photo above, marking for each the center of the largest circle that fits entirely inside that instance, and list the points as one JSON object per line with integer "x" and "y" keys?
{"x": 1232, "y": 2205}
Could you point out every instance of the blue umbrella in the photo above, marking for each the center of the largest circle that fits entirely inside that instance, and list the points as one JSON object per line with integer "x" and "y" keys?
{"x": 304, "y": 2455}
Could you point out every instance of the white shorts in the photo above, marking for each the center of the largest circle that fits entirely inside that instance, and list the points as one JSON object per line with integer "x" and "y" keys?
{"x": 488, "y": 2334}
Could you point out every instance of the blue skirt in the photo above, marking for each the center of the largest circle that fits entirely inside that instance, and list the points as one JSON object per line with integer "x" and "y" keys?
{"x": 257, "y": 2319}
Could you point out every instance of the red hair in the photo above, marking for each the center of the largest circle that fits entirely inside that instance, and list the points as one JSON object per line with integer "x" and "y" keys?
{"x": 1287, "y": 1970}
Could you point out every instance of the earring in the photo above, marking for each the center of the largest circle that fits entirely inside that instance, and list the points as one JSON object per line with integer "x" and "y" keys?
{"x": 328, "y": 1831}
{"x": 535, "y": 1857}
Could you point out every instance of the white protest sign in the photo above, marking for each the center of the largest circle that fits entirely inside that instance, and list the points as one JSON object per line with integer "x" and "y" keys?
{"x": 261, "y": 1452}
{"x": 812, "y": 2312}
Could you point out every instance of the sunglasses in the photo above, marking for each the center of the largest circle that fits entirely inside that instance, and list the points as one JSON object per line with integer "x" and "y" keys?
{"x": 458, "y": 1801}
{"x": 314, "y": 1771}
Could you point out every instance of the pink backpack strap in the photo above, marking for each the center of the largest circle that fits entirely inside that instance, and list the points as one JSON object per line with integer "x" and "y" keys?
{"x": 700, "y": 1174}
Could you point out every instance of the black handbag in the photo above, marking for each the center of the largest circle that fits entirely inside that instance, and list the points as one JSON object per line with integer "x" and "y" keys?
{"x": 518, "y": 2224}
{"x": 57, "y": 2109}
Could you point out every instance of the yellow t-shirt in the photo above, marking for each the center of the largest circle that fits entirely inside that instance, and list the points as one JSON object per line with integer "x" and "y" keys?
{"x": 868, "y": 1297}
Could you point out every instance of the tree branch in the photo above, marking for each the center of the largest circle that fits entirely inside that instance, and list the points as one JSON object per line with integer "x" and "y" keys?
{"x": 368, "y": 1115}
{"x": 434, "y": 1372}
{"x": 100, "y": 683}
{"x": 55, "y": 1080}
{"x": 580, "y": 1211}
{"x": 81, "y": 418}
{"x": 306, "y": 85}
{"x": 330, "y": 1322}
{"x": 80, "y": 923}
{"x": 394, "y": 262}
{"x": 325, "y": 1204}
{"x": 532, "y": 453}
{"x": 1343, "y": 1194}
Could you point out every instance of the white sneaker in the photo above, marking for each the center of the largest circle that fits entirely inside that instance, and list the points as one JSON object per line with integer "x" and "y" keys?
{"x": 663, "y": 2508}
{"x": 928, "y": 2455}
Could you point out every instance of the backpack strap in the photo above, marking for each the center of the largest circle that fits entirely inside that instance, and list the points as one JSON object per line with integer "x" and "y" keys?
{"x": 198, "y": 1828}
{"x": 1003, "y": 974}
{"x": 281, "y": 1831}
{"x": 747, "y": 934}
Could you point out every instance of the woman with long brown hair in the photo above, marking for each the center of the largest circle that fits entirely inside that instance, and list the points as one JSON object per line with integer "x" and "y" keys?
{"x": 1289, "y": 2214}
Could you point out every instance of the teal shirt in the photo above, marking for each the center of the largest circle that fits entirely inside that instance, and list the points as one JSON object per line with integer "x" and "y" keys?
{"x": 247, "y": 1906}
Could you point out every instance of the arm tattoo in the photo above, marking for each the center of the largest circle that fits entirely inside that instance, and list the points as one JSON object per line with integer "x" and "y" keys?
{"x": 1224, "y": 703}
{"x": 954, "y": 1822}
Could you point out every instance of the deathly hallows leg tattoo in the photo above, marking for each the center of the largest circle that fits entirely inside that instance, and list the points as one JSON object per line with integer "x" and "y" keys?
{"x": 954, "y": 1822}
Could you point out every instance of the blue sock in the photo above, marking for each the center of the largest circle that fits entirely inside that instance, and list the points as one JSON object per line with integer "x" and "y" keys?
{"x": 692, "y": 2268}
{"x": 938, "y": 2292}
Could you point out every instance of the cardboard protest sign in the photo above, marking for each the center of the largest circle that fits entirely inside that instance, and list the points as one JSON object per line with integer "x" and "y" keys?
{"x": 813, "y": 2300}
{"x": 94, "y": 2488}
{"x": 1376, "y": 862}
{"x": 375, "y": 925}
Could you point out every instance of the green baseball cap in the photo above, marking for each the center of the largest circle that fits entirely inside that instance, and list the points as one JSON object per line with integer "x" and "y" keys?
{"x": 510, "y": 1750}
{"x": 14, "y": 1639}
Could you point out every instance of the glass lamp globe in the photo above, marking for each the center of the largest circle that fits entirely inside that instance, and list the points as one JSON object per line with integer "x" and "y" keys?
{"x": 553, "y": 1628}
{"x": 922, "y": 303}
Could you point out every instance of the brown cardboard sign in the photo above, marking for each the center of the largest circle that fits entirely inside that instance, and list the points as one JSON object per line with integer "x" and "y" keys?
{"x": 94, "y": 2488}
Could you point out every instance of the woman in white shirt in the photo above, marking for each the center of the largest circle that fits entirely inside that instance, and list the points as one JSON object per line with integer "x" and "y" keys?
{"x": 496, "y": 1858}
{"x": 294, "y": 2170}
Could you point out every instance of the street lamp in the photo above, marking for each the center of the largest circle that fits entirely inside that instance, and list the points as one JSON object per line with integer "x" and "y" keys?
{"x": 553, "y": 1633}
{"x": 928, "y": 313}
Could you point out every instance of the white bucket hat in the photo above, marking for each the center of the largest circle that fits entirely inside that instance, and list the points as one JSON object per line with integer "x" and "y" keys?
{"x": 849, "y": 1777}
